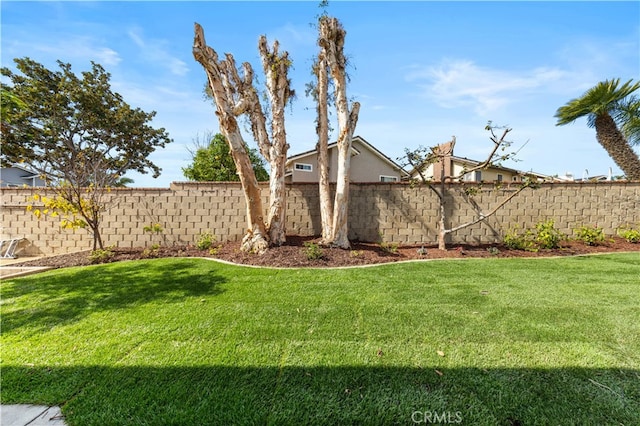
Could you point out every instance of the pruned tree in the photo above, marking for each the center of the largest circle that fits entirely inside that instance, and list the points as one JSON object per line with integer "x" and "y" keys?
{"x": 276, "y": 67}
{"x": 332, "y": 63}
{"x": 80, "y": 135}
{"x": 229, "y": 93}
{"x": 320, "y": 91}
{"x": 421, "y": 158}
{"x": 235, "y": 96}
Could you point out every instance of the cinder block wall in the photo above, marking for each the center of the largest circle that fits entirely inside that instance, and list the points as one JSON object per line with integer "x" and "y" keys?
{"x": 389, "y": 211}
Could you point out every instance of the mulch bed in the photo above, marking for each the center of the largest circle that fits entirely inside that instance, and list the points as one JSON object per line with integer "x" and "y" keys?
{"x": 294, "y": 253}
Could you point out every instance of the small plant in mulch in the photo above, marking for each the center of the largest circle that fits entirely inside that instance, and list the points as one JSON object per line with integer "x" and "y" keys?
{"x": 101, "y": 255}
{"x": 590, "y": 235}
{"x": 313, "y": 251}
{"x": 515, "y": 240}
{"x": 493, "y": 251}
{"x": 355, "y": 253}
{"x": 547, "y": 236}
{"x": 387, "y": 247}
{"x": 151, "y": 252}
{"x": 205, "y": 240}
{"x": 630, "y": 235}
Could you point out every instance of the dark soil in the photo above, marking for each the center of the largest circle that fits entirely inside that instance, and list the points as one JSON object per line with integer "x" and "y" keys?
{"x": 295, "y": 254}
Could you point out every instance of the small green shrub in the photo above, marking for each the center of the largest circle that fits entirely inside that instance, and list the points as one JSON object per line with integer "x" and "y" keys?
{"x": 514, "y": 240}
{"x": 629, "y": 234}
{"x": 590, "y": 235}
{"x": 547, "y": 236}
{"x": 155, "y": 228}
{"x": 389, "y": 247}
{"x": 313, "y": 251}
{"x": 355, "y": 253}
{"x": 205, "y": 240}
{"x": 151, "y": 252}
{"x": 101, "y": 255}
{"x": 494, "y": 251}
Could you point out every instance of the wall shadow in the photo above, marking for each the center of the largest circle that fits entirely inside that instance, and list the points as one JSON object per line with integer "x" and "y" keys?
{"x": 67, "y": 298}
{"x": 329, "y": 395}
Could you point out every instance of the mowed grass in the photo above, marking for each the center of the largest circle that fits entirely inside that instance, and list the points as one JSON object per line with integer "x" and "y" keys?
{"x": 189, "y": 341}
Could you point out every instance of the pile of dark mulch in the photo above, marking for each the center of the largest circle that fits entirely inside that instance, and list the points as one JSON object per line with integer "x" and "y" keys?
{"x": 295, "y": 254}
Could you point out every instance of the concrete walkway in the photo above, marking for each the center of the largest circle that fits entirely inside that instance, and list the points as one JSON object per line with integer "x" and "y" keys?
{"x": 10, "y": 268}
{"x": 31, "y": 415}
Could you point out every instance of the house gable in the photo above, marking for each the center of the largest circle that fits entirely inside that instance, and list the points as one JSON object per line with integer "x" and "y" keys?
{"x": 16, "y": 177}
{"x": 368, "y": 164}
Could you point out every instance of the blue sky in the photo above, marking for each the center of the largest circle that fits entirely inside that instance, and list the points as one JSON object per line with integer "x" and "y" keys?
{"x": 423, "y": 71}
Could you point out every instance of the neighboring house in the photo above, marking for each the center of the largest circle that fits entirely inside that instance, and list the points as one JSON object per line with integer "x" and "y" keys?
{"x": 367, "y": 165}
{"x": 455, "y": 166}
{"x": 17, "y": 177}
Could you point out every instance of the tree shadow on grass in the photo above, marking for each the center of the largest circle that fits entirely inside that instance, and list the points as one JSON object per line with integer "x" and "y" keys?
{"x": 329, "y": 395}
{"x": 66, "y": 298}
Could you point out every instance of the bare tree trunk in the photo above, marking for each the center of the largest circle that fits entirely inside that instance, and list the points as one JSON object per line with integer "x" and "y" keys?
{"x": 221, "y": 76}
{"x": 331, "y": 41}
{"x": 276, "y": 68}
{"x": 442, "y": 226}
{"x": 322, "y": 129}
{"x": 613, "y": 141}
{"x": 339, "y": 237}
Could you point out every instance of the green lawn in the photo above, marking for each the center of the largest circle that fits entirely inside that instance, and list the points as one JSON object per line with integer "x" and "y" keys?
{"x": 189, "y": 341}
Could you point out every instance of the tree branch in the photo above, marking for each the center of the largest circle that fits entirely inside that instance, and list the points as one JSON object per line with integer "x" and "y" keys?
{"x": 491, "y": 213}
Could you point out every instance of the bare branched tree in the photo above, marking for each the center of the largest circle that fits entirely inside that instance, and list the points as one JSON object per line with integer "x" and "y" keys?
{"x": 236, "y": 95}
{"x": 420, "y": 158}
{"x": 229, "y": 93}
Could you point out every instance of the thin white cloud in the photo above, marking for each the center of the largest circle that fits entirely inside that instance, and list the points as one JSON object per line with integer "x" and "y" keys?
{"x": 155, "y": 51}
{"x": 108, "y": 57}
{"x": 73, "y": 49}
{"x": 463, "y": 83}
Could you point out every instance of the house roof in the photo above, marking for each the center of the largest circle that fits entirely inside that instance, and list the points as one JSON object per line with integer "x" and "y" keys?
{"x": 31, "y": 173}
{"x": 493, "y": 166}
{"x": 360, "y": 139}
{"x": 474, "y": 163}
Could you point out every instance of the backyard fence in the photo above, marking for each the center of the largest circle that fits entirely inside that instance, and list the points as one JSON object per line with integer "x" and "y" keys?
{"x": 391, "y": 212}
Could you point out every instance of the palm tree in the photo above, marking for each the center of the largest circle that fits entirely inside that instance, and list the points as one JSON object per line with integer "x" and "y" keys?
{"x": 629, "y": 119}
{"x": 123, "y": 182}
{"x": 603, "y": 105}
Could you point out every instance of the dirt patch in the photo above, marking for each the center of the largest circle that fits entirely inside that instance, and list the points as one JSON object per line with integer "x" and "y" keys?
{"x": 295, "y": 254}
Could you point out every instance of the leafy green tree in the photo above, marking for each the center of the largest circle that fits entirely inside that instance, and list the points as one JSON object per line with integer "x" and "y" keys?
{"x": 10, "y": 104}
{"x": 610, "y": 109}
{"x": 78, "y": 133}
{"x": 214, "y": 163}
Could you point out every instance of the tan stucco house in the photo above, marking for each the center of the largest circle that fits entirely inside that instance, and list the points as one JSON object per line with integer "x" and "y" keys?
{"x": 455, "y": 166}
{"x": 368, "y": 164}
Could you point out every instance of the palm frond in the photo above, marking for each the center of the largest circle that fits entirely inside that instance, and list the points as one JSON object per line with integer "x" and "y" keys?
{"x": 603, "y": 98}
{"x": 628, "y": 118}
